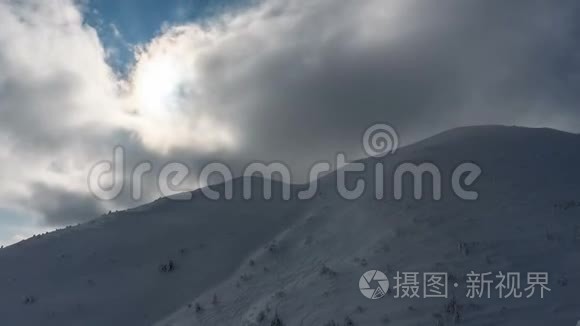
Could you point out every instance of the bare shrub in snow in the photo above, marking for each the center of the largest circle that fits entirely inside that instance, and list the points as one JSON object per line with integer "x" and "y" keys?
{"x": 276, "y": 321}
{"x": 215, "y": 300}
{"x": 167, "y": 267}
{"x": 463, "y": 248}
{"x": 245, "y": 277}
{"x": 273, "y": 247}
{"x": 261, "y": 317}
{"x": 327, "y": 271}
{"x": 454, "y": 310}
{"x": 29, "y": 299}
{"x": 348, "y": 321}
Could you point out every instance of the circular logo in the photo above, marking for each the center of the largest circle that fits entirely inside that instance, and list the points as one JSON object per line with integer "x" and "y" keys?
{"x": 374, "y": 278}
{"x": 380, "y": 140}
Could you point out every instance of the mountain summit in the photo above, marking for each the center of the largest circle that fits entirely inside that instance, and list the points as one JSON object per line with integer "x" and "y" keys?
{"x": 295, "y": 262}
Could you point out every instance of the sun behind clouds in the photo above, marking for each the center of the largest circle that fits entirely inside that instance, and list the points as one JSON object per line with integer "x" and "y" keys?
{"x": 163, "y": 88}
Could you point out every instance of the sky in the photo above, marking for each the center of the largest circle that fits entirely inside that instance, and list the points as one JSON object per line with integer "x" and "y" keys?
{"x": 269, "y": 80}
{"x": 121, "y": 25}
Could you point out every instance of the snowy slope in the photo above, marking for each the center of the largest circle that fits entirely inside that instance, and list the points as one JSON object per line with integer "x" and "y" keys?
{"x": 244, "y": 262}
{"x": 108, "y": 272}
{"x": 512, "y": 227}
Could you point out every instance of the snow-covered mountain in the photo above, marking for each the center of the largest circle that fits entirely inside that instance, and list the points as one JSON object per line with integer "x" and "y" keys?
{"x": 297, "y": 262}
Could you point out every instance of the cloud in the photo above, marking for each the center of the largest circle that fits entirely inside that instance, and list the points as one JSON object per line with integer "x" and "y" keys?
{"x": 283, "y": 80}
{"x": 59, "y": 103}
{"x": 289, "y": 73}
{"x": 62, "y": 207}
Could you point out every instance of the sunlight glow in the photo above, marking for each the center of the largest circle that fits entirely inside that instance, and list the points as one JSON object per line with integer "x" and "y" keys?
{"x": 156, "y": 83}
{"x": 167, "y": 115}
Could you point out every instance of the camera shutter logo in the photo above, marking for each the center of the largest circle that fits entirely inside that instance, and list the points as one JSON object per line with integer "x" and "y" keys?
{"x": 377, "y": 279}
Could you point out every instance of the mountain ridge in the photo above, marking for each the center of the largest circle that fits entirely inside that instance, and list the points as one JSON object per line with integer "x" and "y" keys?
{"x": 302, "y": 259}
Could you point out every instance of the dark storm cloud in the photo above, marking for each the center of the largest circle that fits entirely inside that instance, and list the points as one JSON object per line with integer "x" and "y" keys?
{"x": 440, "y": 65}
{"x": 62, "y": 207}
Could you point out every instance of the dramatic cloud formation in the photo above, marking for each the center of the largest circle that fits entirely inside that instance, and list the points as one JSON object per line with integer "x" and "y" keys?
{"x": 284, "y": 80}
{"x": 289, "y": 73}
{"x": 58, "y": 101}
